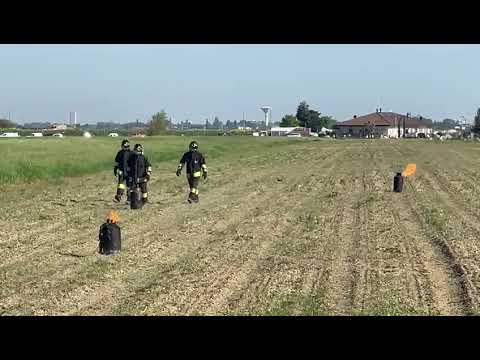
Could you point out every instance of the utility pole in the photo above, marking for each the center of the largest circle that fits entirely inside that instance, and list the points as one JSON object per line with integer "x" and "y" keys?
{"x": 404, "y": 124}
{"x": 398, "y": 125}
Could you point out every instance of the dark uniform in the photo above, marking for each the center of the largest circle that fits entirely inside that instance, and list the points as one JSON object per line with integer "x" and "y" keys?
{"x": 139, "y": 171}
{"x": 120, "y": 170}
{"x": 195, "y": 163}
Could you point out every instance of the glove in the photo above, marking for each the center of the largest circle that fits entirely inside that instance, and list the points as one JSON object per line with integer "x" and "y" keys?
{"x": 147, "y": 177}
{"x": 115, "y": 169}
{"x": 205, "y": 175}
{"x": 179, "y": 171}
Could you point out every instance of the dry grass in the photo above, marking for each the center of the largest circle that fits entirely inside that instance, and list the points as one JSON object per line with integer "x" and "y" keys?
{"x": 273, "y": 235}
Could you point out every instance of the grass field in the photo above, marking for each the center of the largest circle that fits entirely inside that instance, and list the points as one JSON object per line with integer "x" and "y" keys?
{"x": 53, "y": 158}
{"x": 283, "y": 227}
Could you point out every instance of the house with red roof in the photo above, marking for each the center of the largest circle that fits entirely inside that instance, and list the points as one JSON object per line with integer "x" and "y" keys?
{"x": 383, "y": 125}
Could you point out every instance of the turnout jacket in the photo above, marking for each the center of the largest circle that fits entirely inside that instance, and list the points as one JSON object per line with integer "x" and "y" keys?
{"x": 195, "y": 163}
{"x": 138, "y": 167}
{"x": 121, "y": 160}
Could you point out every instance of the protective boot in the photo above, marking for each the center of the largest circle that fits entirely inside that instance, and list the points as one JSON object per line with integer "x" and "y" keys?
{"x": 118, "y": 196}
{"x": 193, "y": 198}
{"x": 144, "y": 198}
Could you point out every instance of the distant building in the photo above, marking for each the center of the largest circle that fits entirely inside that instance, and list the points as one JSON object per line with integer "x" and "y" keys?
{"x": 56, "y": 126}
{"x": 37, "y": 125}
{"x": 382, "y": 124}
{"x": 284, "y": 131}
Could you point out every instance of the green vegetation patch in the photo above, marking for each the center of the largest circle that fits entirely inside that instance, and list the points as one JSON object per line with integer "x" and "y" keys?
{"x": 26, "y": 160}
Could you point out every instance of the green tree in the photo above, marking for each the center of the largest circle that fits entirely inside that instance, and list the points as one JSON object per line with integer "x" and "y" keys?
{"x": 289, "y": 121}
{"x": 476, "y": 124}
{"x": 303, "y": 114}
{"x": 327, "y": 121}
{"x": 313, "y": 121}
{"x": 7, "y": 124}
{"x": 158, "y": 123}
{"x": 449, "y": 123}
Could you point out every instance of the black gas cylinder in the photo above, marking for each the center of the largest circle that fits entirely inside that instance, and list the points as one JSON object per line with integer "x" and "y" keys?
{"x": 135, "y": 200}
{"x": 398, "y": 182}
{"x": 110, "y": 239}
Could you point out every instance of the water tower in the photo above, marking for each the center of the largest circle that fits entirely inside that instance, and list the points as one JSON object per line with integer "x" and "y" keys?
{"x": 73, "y": 118}
{"x": 267, "y": 110}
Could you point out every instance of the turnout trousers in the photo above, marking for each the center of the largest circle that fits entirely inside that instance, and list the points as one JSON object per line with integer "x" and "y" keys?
{"x": 121, "y": 186}
{"x": 143, "y": 190}
{"x": 193, "y": 183}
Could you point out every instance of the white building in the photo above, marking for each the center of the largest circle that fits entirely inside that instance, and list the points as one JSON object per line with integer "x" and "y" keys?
{"x": 284, "y": 131}
{"x": 281, "y": 131}
{"x": 56, "y": 126}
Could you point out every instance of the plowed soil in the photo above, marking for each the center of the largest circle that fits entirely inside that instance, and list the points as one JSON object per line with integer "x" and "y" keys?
{"x": 306, "y": 229}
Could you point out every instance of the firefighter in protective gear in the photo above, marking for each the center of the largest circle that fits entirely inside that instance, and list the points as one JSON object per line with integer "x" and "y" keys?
{"x": 121, "y": 168}
{"x": 139, "y": 171}
{"x": 196, "y": 167}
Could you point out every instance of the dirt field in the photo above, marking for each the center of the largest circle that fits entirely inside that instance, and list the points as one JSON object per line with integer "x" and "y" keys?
{"x": 307, "y": 229}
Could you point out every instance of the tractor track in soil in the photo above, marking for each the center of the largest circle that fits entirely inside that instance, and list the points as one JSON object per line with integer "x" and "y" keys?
{"x": 245, "y": 283}
{"x": 256, "y": 274}
{"x": 453, "y": 284}
{"x": 341, "y": 282}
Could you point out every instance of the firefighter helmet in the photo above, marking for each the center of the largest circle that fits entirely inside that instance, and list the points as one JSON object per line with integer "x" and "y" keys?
{"x": 193, "y": 146}
{"x": 112, "y": 217}
{"x": 138, "y": 148}
{"x": 125, "y": 144}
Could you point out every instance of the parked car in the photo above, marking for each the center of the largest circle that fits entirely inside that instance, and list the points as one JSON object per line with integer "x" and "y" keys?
{"x": 58, "y": 135}
{"x": 113, "y": 134}
{"x": 8, "y": 134}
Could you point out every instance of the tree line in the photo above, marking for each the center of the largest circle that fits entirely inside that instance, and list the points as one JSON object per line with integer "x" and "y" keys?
{"x": 309, "y": 118}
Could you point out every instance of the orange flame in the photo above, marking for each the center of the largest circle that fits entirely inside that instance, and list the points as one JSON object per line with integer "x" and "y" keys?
{"x": 112, "y": 216}
{"x": 409, "y": 170}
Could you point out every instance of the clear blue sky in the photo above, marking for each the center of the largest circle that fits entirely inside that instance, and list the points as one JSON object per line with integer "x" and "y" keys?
{"x": 124, "y": 82}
